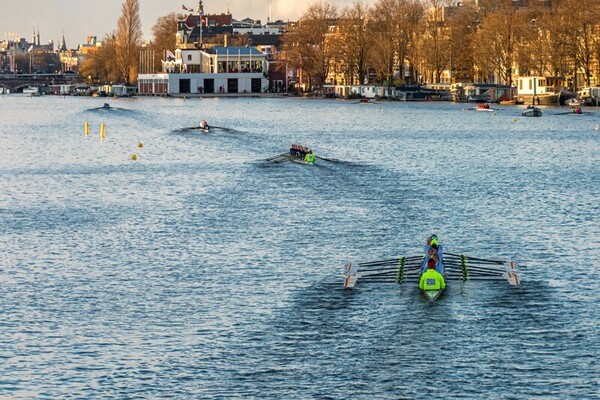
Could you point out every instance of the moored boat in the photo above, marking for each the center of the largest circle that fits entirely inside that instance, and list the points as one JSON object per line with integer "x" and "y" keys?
{"x": 31, "y": 91}
{"x": 532, "y": 111}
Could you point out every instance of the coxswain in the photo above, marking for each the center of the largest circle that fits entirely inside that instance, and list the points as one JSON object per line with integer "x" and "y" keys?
{"x": 431, "y": 279}
{"x": 310, "y": 157}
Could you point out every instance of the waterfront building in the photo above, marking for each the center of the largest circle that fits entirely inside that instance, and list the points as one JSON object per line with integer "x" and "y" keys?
{"x": 196, "y": 68}
{"x": 214, "y": 70}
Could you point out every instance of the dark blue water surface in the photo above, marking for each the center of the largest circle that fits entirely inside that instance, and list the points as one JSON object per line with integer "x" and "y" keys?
{"x": 202, "y": 271}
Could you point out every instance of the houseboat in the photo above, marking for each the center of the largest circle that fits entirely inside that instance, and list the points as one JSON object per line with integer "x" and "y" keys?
{"x": 589, "y": 96}
{"x": 540, "y": 90}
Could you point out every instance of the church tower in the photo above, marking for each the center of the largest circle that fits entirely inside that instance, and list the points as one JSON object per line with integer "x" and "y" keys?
{"x": 63, "y": 45}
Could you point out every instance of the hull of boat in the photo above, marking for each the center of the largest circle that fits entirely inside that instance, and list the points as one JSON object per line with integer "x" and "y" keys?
{"x": 532, "y": 112}
{"x": 432, "y": 295}
{"x": 296, "y": 160}
{"x": 541, "y": 100}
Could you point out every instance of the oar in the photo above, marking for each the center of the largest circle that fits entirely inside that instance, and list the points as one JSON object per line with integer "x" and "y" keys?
{"x": 388, "y": 273}
{"x": 389, "y": 261}
{"x": 327, "y": 159}
{"x": 460, "y": 256}
{"x": 475, "y": 267}
{"x": 474, "y": 264}
{"x": 395, "y": 265}
{"x": 274, "y": 157}
{"x": 392, "y": 270}
{"x": 474, "y": 278}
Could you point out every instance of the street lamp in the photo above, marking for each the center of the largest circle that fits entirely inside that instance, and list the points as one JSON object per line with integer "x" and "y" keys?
{"x": 14, "y": 36}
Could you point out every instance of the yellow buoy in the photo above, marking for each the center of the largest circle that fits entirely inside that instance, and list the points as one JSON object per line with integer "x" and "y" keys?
{"x": 102, "y": 131}
{"x": 134, "y": 157}
{"x": 140, "y": 145}
{"x": 86, "y": 128}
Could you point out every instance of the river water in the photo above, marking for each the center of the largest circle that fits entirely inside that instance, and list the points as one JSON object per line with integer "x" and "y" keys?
{"x": 200, "y": 270}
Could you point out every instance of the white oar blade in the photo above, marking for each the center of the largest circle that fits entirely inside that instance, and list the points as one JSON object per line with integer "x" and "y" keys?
{"x": 350, "y": 269}
{"x": 512, "y": 278}
{"x": 350, "y": 276}
{"x": 350, "y": 281}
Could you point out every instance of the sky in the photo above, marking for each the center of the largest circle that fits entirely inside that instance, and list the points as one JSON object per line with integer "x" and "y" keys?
{"x": 78, "y": 19}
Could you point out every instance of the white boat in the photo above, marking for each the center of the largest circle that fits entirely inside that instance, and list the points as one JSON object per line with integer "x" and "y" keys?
{"x": 31, "y": 91}
{"x": 531, "y": 111}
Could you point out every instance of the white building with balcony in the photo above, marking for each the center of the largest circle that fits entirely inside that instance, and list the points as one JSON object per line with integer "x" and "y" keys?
{"x": 205, "y": 71}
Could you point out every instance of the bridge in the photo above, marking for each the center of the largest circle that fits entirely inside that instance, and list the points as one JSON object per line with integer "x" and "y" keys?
{"x": 17, "y": 82}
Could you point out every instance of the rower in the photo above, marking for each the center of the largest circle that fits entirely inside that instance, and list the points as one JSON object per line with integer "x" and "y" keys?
{"x": 431, "y": 249}
{"x": 431, "y": 279}
{"x": 310, "y": 157}
{"x": 204, "y": 124}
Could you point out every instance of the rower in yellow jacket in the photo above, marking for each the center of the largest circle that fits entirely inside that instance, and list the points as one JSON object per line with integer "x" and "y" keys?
{"x": 310, "y": 157}
{"x": 431, "y": 279}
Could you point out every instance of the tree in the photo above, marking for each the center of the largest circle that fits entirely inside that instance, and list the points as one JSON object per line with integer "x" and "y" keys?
{"x": 496, "y": 41}
{"x": 309, "y": 46}
{"x": 382, "y": 24}
{"x": 581, "y": 39}
{"x": 462, "y": 25}
{"x": 410, "y": 17}
{"x": 128, "y": 40}
{"x": 101, "y": 66}
{"x": 355, "y": 42}
{"x": 164, "y": 36}
{"x": 396, "y": 26}
{"x": 436, "y": 47}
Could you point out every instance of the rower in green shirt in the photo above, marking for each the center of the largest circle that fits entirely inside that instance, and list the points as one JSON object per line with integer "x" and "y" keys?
{"x": 310, "y": 157}
{"x": 431, "y": 279}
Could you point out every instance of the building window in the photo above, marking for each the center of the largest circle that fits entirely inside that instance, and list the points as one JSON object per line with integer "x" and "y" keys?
{"x": 189, "y": 57}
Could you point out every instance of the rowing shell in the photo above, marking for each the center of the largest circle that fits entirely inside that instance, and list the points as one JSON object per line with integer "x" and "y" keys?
{"x": 287, "y": 157}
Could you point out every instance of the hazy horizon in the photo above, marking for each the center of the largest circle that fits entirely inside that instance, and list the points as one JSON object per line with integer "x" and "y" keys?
{"x": 77, "y": 19}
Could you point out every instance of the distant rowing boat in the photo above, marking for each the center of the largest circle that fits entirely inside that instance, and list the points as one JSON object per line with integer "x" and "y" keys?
{"x": 298, "y": 154}
{"x": 287, "y": 157}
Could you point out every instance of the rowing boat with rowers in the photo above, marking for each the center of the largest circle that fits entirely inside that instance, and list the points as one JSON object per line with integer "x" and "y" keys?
{"x": 458, "y": 267}
{"x": 297, "y": 154}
